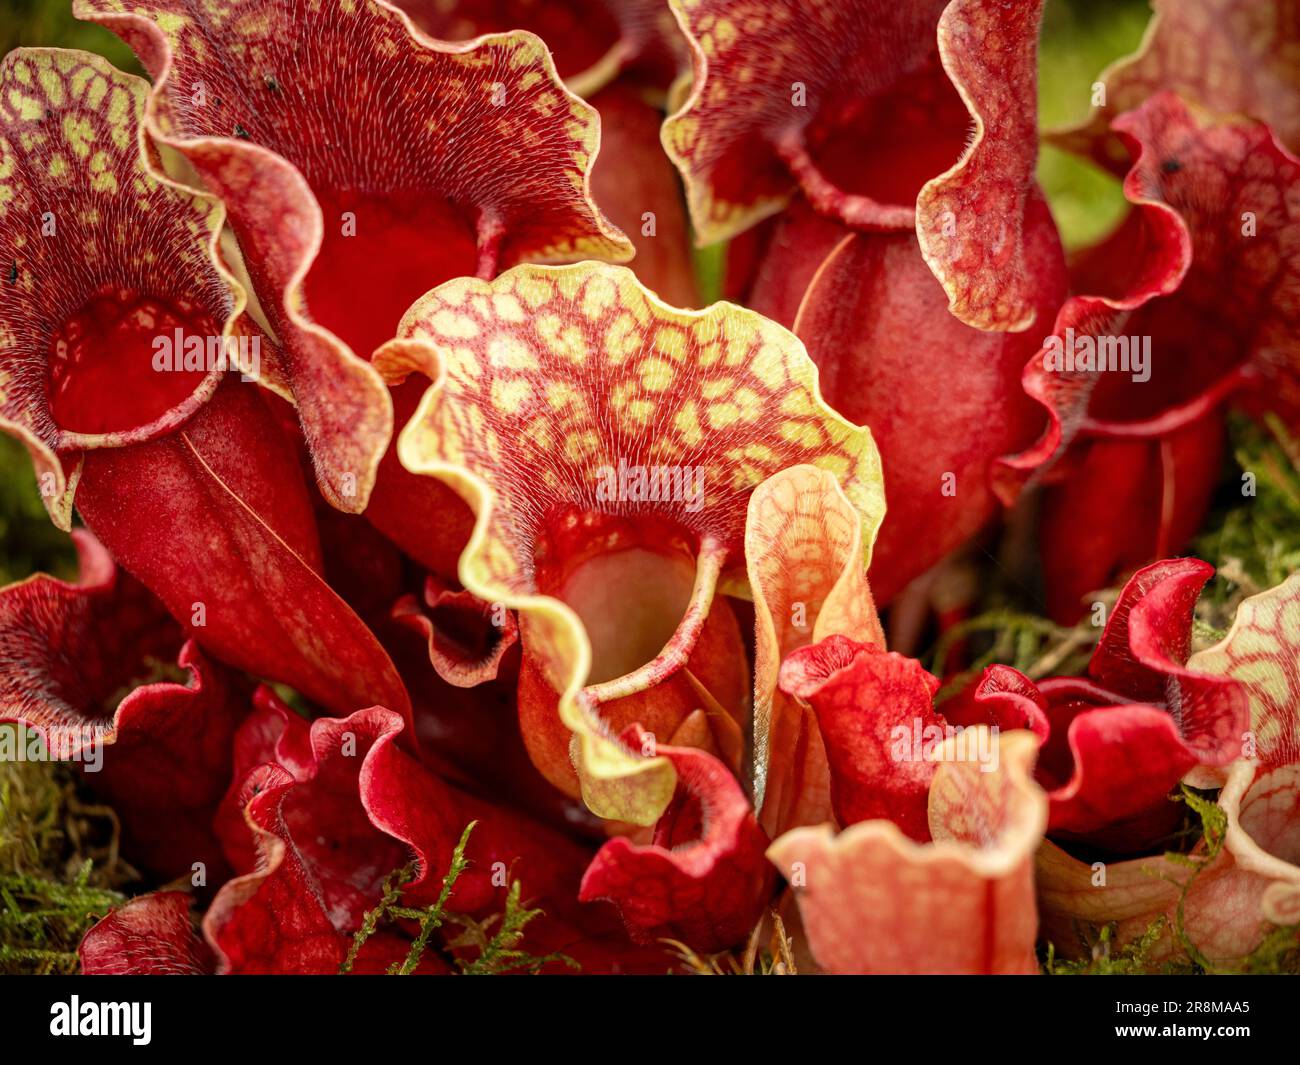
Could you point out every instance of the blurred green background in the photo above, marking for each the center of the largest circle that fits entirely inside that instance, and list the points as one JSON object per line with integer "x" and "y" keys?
{"x": 50, "y": 23}
{"x": 1080, "y": 39}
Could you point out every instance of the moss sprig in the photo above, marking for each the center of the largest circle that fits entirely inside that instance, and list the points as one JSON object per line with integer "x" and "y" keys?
{"x": 494, "y": 939}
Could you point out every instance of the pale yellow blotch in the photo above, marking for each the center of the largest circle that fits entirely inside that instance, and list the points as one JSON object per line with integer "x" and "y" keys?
{"x": 23, "y": 73}
{"x": 687, "y": 423}
{"x": 717, "y": 387}
{"x": 722, "y": 415}
{"x": 28, "y": 108}
{"x": 509, "y": 396}
{"x": 58, "y": 166}
{"x": 1265, "y": 675}
{"x": 796, "y": 402}
{"x": 741, "y": 479}
{"x": 80, "y": 79}
{"x": 769, "y": 367}
{"x": 510, "y": 353}
{"x": 563, "y": 340}
{"x": 749, "y": 402}
{"x": 534, "y": 290}
{"x": 1291, "y": 618}
{"x": 569, "y": 284}
{"x": 507, "y": 308}
{"x": 805, "y": 434}
{"x": 1269, "y": 732}
{"x": 463, "y": 363}
{"x": 739, "y": 353}
{"x": 454, "y": 325}
{"x": 575, "y": 345}
{"x": 1264, "y": 643}
{"x": 708, "y": 355}
{"x": 121, "y": 138}
{"x": 121, "y": 108}
{"x": 523, "y": 54}
{"x": 725, "y": 33}
{"x": 635, "y": 301}
{"x": 682, "y": 133}
{"x": 621, "y": 395}
{"x": 560, "y": 394}
{"x": 838, "y": 433}
{"x": 656, "y": 375}
{"x": 457, "y": 293}
{"x": 707, "y": 330}
{"x": 672, "y": 342}
{"x": 723, "y": 213}
{"x": 548, "y": 327}
{"x": 1265, "y": 613}
{"x": 598, "y": 297}
{"x": 578, "y": 447}
{"x": 621, "y": 340}
{"x": 836, "y": 464}
{"x": 639, "y": 411}
{"x": 170, "y": 23}
{"x": 79, "y": 134}
{"x": 52, "y": 86}
{"x": 538, "y": 433}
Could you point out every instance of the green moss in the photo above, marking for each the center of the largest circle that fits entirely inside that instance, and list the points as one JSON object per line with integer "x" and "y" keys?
{"x": 1032, "y": 644}
{"x": 1278, "y": 952}
{"x": 1253, "y": 538}
{"x": 494, "y": 940}
{"x": 1277, "y": 955}
{"x": 59, "y": 869}
{"x": 1108, "y": 960}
